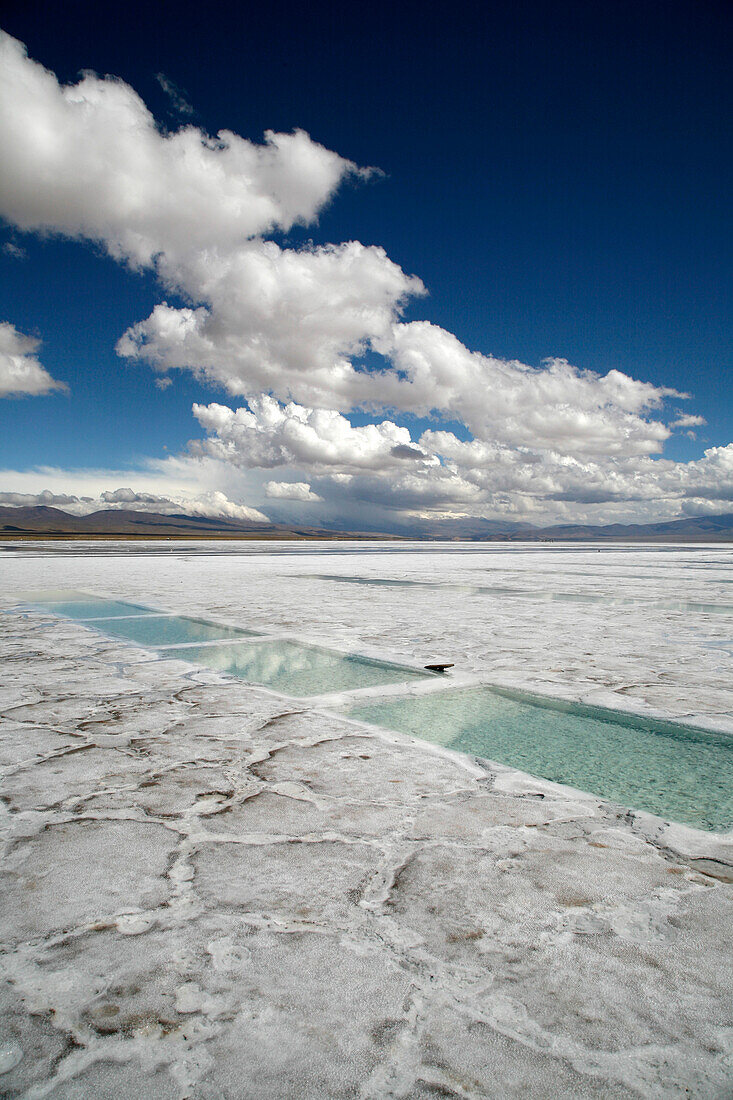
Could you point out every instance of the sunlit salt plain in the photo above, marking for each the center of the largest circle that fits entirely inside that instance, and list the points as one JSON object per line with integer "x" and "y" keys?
{"x": 641, "y": 628}
{"x": 500, "y": 934}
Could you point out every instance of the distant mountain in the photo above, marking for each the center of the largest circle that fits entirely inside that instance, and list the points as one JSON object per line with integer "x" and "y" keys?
{"x": 473, "y": 529}
{"x": 41, "y": 520}
{"x": 695, "y": 529}
{"x": 111, "y": 522}
{"x": 692, "y": 529}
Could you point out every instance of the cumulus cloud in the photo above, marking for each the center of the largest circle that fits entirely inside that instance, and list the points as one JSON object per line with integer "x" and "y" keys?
{"x": 688, "y": 421}
{"x": 20, "y": 370}
{"x": 31, "y": 500}
{"x": 270, "y": 434}
{"x": 129, "y": 496}
{"x": 556, "y": 477}
{"x": 88, "y": 160}
{"x": 380, "y": 465}
{"x": 281, "y": 320}
{"x": 215, "y": 503}
{"x": 306, "y": 335}
{"x": 292, "y": 490}
{"x": 262, "y": 318}
{"x": 460, "y": 479}
{"x": 296, "y": 323}
{"x": 212, "y": 502}
{"x": 553, "y": 406}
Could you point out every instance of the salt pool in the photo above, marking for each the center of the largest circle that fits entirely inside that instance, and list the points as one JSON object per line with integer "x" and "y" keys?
{"x": 678, "y": 772}
{"x": 286, "y": 666}
{"x": 168, "y": 630}
{"x": 92, "y": 608}
{"x": 675, "y": 771}
{"x": 297, "y": 669}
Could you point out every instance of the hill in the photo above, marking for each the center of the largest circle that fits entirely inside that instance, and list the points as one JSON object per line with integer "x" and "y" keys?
{"x": 44, "y": 522}
{"x": 113, "y": 522}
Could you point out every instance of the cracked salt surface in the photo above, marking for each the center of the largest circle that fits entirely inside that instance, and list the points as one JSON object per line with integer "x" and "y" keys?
{"x": 210, "y": 892}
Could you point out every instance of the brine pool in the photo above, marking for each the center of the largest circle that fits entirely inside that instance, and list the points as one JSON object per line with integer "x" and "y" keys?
{"x": 666, "y": 768}
{"x": 168, "y": 630}
{"x": 290, "y": 667}
{"x": 678, "y": 772}
{"x": 294, "y": 668}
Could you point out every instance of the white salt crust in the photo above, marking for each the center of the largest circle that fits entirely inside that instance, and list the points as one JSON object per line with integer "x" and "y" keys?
{"x": 208, "y": 891}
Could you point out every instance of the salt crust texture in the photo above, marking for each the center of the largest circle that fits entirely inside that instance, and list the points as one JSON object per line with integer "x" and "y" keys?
{"x": 211, "y": 892}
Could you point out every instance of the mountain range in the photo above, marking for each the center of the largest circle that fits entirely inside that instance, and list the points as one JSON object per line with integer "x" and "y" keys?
{"x": 41, "y": 521}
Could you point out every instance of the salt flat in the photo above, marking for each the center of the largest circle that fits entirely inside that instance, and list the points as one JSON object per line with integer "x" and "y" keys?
{"x": 210, "y": 891}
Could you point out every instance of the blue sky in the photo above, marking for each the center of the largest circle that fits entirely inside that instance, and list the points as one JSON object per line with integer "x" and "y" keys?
{"x": 555, "y": 175}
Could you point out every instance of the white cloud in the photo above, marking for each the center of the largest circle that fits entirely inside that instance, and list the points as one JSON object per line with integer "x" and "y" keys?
{"x": 686, "y": 421}
{"x": 129, "y": 496}
{"x": 31, "y": 500}
{"x": 292, "y": 490}
{"x": 20, "y": 370}
{"x": 263, "y": 318}
{"x": 382, "y": 462}
{"x": 269, "y": 434}
{"x": 556, "y": 406}
{"x": 177, "y": 98}
{"x": 379, "y": 464}
{"x": 87, "y": 160}
{"x": 215, "y": 503}
{"x": 182, "y": 480}
{"x": 291, "y": 330}
{"x": 491, "y": 481}
{"x": 291, "y": 322}
{"x": 277, "y": 320}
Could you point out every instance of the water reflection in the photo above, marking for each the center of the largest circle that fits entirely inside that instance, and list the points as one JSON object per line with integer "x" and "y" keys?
{"x": 296, "y": 669}
{"x": 93, "y": 608}
{"x": 170, "y": 630}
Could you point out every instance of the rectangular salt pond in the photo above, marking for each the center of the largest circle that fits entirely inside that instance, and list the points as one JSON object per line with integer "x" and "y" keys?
{"x": 678, "y": 772}
{"x": 135, "y": 623}
{"x": 296, "y": 669}
{"x": 168, "y": 630}
{"x": 92, "y": 608}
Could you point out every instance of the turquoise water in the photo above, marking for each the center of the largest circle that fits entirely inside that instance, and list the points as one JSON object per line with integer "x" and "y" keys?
{"x": 289, "y": 667}
{"x": 296, "y": 669}
{"x": 93, "y": 608}
{"x": 168, "y": 630}
{"x": 138, "y": 624}
{"x": 681, "y": 773}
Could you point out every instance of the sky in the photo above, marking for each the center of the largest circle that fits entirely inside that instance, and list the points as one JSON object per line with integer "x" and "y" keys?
{"x": 367, "y": 268}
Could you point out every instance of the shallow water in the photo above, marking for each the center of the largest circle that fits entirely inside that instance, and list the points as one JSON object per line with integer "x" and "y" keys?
{"x": 296, "y": 669}
{"x": 93, "y": 608}
{"x": 678, "y": 772}
{"x": 168, "y": 630}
